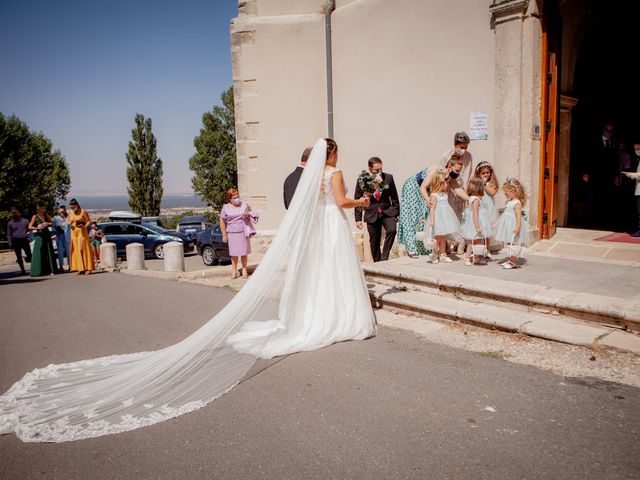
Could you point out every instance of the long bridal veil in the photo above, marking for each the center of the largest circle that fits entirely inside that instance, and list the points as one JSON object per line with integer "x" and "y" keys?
{"x": 90, "y": 398}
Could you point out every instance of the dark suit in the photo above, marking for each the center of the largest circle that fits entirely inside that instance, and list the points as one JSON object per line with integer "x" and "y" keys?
{"x": 290, "y": 185}
{"x": 381, "y": 213}
{"x": 603, "y": 167}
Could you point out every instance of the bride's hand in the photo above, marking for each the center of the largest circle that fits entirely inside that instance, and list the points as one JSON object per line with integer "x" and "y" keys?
{"x": 365, "y": 201}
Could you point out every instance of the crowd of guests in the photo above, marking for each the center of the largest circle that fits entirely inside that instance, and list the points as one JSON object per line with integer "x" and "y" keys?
{"x": 452, "y": 203}
{"x": 77, "y": 240}
{"x": 447, "y": 207}
{"x": 605, "y": 170}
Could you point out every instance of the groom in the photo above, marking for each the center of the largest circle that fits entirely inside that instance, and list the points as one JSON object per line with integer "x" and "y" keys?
{"x": 291, "y": 182}
{"x": 382, "y": 212}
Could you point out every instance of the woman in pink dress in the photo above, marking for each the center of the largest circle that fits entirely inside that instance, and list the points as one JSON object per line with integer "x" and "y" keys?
{"x": 236, "y": 223}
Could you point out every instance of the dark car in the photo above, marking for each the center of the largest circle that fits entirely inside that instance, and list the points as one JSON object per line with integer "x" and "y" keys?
{"x": 151, "y": 236}
{"x": 192, "y": 225}
{"x": 209, "y": 244}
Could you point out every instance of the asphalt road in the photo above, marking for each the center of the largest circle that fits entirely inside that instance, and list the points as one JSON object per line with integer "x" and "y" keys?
{"x": 393, "y": 407}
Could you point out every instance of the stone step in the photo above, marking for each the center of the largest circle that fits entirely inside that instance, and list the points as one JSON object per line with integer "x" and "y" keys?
{"x": 598, "y": 309}
{"x": 548, "y": 326}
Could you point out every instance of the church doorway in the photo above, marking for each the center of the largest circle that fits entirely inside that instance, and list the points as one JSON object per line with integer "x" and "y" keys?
{"x": 605, "y": 121}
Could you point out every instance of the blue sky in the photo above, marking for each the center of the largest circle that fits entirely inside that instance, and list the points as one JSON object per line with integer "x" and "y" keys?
{"x": 79, "y": 71}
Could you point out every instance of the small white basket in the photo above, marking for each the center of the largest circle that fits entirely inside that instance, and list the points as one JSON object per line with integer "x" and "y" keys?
{"x": 426, "y": 237}
{"x": 515, "y": 249}
{"x": 478, "y": 249}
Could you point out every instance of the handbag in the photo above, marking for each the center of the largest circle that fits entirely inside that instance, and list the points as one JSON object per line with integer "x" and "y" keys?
{"x": 249, "y": 230}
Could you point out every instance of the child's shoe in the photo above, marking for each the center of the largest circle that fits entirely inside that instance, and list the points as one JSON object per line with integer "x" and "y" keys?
{"x": 487, "y": 255}
{"x": 468, "y": 262}
{"x": 434, "y": 259}
{"x": 509, "y": 266}
{"x": 445, "y": 259}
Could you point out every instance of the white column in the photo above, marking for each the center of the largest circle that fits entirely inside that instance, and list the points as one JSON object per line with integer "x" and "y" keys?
{"x": 108, "y": 257}
{"x": 174, "y": 257}
{"x": 135, "y": 257}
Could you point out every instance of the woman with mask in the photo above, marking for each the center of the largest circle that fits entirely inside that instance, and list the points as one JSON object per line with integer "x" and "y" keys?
{"x": 81, "y": 252}
{"x": 414, "y": 207}
{"x": 236, "y": 223}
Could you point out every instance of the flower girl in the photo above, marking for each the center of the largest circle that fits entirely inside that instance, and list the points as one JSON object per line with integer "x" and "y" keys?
{"x": 491, "y": 187}
{"x": 476, "y": 224}
{"x": 510, "y": 228}
{"x": 443, "y": 221}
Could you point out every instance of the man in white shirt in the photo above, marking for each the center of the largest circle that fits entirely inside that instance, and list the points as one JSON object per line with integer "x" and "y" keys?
{"x": 635, "y": 161}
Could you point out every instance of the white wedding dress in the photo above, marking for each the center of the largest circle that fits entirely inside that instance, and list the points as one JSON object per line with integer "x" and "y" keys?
{"x": 308, "y": 292}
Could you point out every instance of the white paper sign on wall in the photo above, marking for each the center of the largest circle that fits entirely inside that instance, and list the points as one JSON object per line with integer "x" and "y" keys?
{"x": 479, "y": 124}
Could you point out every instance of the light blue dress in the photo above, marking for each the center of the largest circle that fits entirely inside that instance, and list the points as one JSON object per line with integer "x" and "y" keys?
{"x": 469, "y": 226}
{"x": 489, "y": 204}
{"x": 507, "y": 223}
{"x": 445, "y": 220}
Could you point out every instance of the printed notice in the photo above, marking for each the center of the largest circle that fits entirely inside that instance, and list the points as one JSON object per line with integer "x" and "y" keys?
{"x": 479, "y": 125}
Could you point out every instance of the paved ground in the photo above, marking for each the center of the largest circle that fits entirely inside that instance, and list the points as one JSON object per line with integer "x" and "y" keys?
{"x": 621, "y": 281}
{"x": 395, "y": 406}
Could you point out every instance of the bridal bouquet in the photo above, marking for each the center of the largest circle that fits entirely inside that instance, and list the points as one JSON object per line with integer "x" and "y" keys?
{"x": 371, "y": 183}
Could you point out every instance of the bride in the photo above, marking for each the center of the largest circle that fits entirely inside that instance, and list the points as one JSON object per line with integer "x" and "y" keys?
{"x": 307, "y": 293}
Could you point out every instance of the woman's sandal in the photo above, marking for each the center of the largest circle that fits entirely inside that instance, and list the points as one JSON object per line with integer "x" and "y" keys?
{"x": 245, "y": 273}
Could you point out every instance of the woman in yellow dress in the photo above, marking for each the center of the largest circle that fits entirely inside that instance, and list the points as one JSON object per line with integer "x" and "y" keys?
{"x": 81, "y": 253}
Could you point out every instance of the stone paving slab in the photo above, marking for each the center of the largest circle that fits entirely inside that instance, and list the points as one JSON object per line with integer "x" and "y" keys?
{"x": 622, "y": 341}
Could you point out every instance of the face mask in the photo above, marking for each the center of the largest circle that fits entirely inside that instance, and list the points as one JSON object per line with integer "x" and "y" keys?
{"x": 637, "y": 150}
{"x": 75, "y": 209}
{"x": 460, "y": 151}
{"x": 235, "y": 201}
{"x": 454, "y": 175}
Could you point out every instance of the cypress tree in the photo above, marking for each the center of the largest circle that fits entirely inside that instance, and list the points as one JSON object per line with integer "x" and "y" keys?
{"x": 214, "y": 163}
{"x": 144, "y": 170}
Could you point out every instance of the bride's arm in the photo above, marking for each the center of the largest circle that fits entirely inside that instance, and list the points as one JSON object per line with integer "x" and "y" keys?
{"x": 340, "y": 195}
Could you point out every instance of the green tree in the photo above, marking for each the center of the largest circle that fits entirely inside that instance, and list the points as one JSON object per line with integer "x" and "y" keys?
{"x": 144, "y": 170}
{"x": 31, "y": 171}
{"x": 214, "y": 163}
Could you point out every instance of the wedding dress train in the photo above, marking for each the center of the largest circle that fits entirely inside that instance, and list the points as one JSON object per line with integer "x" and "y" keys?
{"x": 308, "y": 292}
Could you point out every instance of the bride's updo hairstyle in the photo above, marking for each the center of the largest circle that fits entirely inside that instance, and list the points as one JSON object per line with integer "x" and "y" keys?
{"x": 332, "y": 146}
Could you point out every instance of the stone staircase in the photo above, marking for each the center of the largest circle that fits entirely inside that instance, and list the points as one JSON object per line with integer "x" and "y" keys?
{"x": 559, "y": 315}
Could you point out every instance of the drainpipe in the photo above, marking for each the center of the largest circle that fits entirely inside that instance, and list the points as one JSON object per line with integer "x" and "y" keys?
{"x": 327, "y": 35}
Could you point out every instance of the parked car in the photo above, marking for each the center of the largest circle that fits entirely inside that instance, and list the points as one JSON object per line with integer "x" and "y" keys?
{"x": 153, "y": 221}
{"x": 192, "y": 225}
{"x": 210, "y": 246}
{"x": 124, "y": 216}
{"x": 151, "y": 236}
